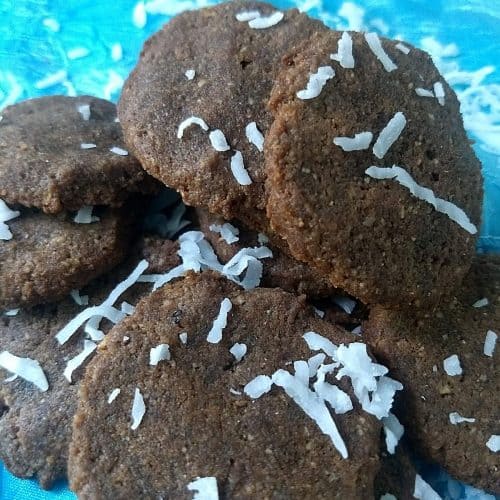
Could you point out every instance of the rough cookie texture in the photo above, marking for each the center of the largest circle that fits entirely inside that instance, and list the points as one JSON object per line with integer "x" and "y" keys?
{"x": 280, "y": 271}
{"x": 43, "y": 165}
{"x": 414, "y": 344}
{"x": 259, "y": 448}
{"x": 235, "y": 68}
{"x": 371, "y": 237}
{"x": 48, "y": 256}
{"x": 35, "y": 427}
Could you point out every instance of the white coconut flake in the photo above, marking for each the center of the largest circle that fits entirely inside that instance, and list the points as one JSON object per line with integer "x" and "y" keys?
{"x": 88, "y": 348}
{"x": 159, "y": 353}
{"x": 183, "y": 337}
{"x": 87, "y": 145}
{"x": 190, "y": 74}
{"x": 345, "y": 303}
{"x": 254, "y": 136}
{"x": 113, "y": 395}
{"x": 238, "y": 351}
{"x": 424, "y": 92}
{"x": 319, "y": 312}
{"x": 205, "y": 488}
{"x": 12, "y": 312}
{"x": 358, "y": 330}
{"x": 215, "y": 334}
{"x": 116, "y": 52}
{"x": 84, "y": 110}
{"x": 339, "y": 401}
{"x": 379, "y": 402}
{"x": 138, "y": 409}
{"x": 192, "y": 120}
{"x": 77, "y": 53}
{"x": 312, "y": 405}
{"x": 235, "y": 392}
{"x": 52, "y": 80}
{"x": 403, "y": 48}
{"x": 359, "y": 142}
{"x": 258, "y": 386}
{"x": 316, "y": 83}
{"x": 344, "y": 51}
{"x": 239, "y": 171}
{"x": 456, "y": 418}
{"x": 423, "y": 490}
{"x": 393, "y": 432}
{"x": 94, "y": 334}
{"x": 249, "y": 15}
{"x": 375, "y": 45}
{"x": 301, "y": 369}
{"x": 218, "y": 140}
{"x": 314, "y": 362}
{"x": 262, "y": 239}
{"x": 389, "y": 135}
{"x": 6, "y": 214}
{"x": 452, "y": 366}
{"x": 481, "y": 303}
{"x": 228, "y": 232}
{"x": 139, "y": 16}
{"x": 119, "y": 151}
{"x": 26, "y": 368}
{"x": 439, "y": 92}
{"x": 401, "y": 176}
{"x": 84, "y": 216}
{"x": 317, "y": 342}
{"x": 127, "y": 308}
{"x": 81, "y": 300}
{"x": 52, "y": 24}
{"x": 490, "y": 343}
{"x": 263, "y": 22}
{"x": 493, "y": 443}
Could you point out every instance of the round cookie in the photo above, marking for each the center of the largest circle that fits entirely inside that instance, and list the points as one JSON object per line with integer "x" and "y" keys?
{"x": 414, "y": 345}
{"x": 48, "y": 255}
{"x": 35, "y": 426}
{"x": 261, "y": 448}
{"x": 371, "y": 237}
{"x": 43, "y": 165}
{"x": 235, "y": 68}
{"x": 280, "y": 271}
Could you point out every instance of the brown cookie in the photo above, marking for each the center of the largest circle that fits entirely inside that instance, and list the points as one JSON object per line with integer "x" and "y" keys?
{"x": 48, "y": 255}
{"x": 197, "y": 422}
{"x": 43, "y": 162}
{"x": 235, "y": 68}
{"x": 280, "y": 271}
{"x": 414, "y": 345}
{"x": 371, "y": 237}
{"x": 35, "y": 426}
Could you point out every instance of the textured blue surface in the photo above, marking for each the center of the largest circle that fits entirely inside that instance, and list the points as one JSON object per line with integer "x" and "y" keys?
{"x": 31, "y": 48}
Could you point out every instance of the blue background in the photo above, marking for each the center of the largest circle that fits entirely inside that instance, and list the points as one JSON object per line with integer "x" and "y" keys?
{"x": 31, "y": 49}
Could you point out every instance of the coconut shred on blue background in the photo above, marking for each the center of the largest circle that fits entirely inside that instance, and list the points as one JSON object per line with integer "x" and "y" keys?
{"x": 77, "y": 47}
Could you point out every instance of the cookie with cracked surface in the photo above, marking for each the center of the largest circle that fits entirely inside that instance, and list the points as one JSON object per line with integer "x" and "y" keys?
{"x": 55, "y": 157}
{"x": 235, "y": 68}
{"x": 255, "y": 448}
{"x": 371, "y": 236}
{"x": 414, "y": 345}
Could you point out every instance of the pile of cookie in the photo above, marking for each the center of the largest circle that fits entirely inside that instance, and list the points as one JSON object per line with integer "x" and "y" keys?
{"x": 324, "y": 322}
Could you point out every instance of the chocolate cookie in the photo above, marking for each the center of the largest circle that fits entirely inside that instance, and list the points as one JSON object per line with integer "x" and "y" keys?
{"x": 48, "y": 256}
{"x": 35, "y": 426}
{"x": 261, "y": 448}
{"x": 62, "y": 153}
{"x": 280, "y": 271}
{"x": 415, "y": 345}
{"x": 235, "y": 67}
{"x": 375, "y": 238}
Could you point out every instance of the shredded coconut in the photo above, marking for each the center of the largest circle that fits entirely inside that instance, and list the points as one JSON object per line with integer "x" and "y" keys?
{"x": 403, "y": 48}
{"x": 316, "y": 83}
{"x": 254, "y": 136}
{"x": 113, "y": 395}
{"x": 481, "y": 303}
{"x": 6, "y": 214}
{"x": 238, "y": 351}
{"x": 344, "y": 51}
{"x": 375, "y": 45}
{"x": 456, "y": 418}
{"x": 393, "y": 432}
{"x": 116, "y": 52}
{"x": 119, "y": 151}
{"x": 490, "y": 343}
{"x": 205, "y": 488}
{"x": 88, "y": 348}
{"x": 381, "y": 400}
{"x": 87, "y": 145}
{"x": 301, "y": 368}
{"x": 52, "y": 24}
{"x": 84, "y": 110}
{"x": 215, "y": 334}
{"x": 439, "y": 92}
{"x": 263, "y": 22}
{"x": 235, "y": 392}
{"x": 127, "y": 308}
{"x": 81, "y": 300}
{"x": 192, "y": 120}
{"x": 239, "y": 171}
{"x": 357, "y": 143}
{"x": 138, "y": 409}
{"x": 319, "y": 312}
{"x": 389, "y": 135}
{"x": 26, "y": 368}
{"x": 183, "y": 337}
{"x": 190, "y": 74}
{"x": 314, "y": 362}
{"x": 52, "y": 80}
{"x": 228, "y": 232}
{"x": 84, "y": 216}
{"x": 317, "y": 342}
{"x": 77, "y": 53}
{"x": 357, "y": 330}
{"x": 258, "y": 386}
{"x": 424, "y": 92}
{"x": 493, "y": 443}
{"x": 248, "y": 15}
{"x": 401, "y": 176}
{"x": 345, "y": 303}
{"x": 262, "y": 239}
{"x": 337, "y": 398}
{"x": 452, "y": 366}
{"x": 11, "y": 312}
{"x": 159, "y": 353}
{"x": 139, "y": 16}
{"x": 423, "y": 490}
{"x": 218, "y": 140}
